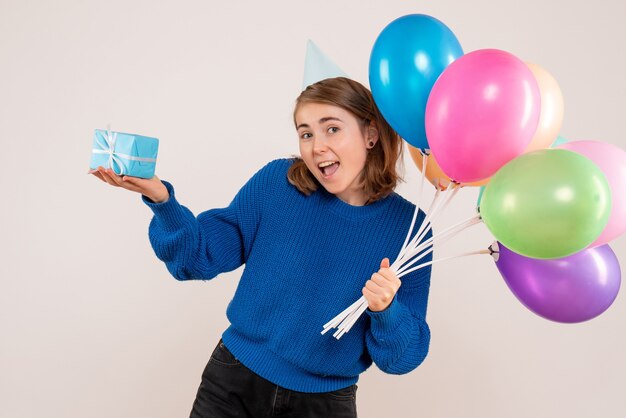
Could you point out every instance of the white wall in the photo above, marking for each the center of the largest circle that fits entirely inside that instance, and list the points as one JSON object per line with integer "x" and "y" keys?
{"x": 92, "y": 324}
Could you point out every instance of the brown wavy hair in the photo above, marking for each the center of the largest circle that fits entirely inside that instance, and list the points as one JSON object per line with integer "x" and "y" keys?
{"x": 380, "y": 175}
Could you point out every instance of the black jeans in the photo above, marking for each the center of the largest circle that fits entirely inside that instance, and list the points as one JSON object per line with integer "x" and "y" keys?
{"x": 230, "y": 389}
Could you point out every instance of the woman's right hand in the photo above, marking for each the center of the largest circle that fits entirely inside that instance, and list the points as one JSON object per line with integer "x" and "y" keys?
{"x": 152, "y": 188}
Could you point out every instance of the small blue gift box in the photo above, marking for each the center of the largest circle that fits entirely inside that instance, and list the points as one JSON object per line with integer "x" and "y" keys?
{"x": 127, "y": 154}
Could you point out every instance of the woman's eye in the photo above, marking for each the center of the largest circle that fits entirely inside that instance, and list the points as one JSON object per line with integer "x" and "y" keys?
{"x": 305, "y": 135}
{"x": 333, "y": 129}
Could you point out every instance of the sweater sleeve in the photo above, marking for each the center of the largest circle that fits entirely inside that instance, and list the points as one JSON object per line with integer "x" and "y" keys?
{"x": 399, "y": 337}
{"x": 217, "y": 240}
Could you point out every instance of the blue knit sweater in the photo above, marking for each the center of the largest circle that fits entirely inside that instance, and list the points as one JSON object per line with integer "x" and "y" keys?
{"x": 306, "y": 259}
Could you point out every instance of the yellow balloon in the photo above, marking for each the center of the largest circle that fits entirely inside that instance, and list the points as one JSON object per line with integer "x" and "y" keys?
{"x": 551, "y": 116}
{"x": 434, "y": 174}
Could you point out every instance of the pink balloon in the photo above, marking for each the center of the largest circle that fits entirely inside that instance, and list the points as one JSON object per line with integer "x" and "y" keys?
{"x": 481, "y": 113}
{"x": 612, "y": 161}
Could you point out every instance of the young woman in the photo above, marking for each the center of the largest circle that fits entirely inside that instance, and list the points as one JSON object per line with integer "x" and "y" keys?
{"x": 312, "y": 232}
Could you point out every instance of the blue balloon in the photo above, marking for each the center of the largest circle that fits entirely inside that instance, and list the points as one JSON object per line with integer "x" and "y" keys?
{"x": 406, "y": 60}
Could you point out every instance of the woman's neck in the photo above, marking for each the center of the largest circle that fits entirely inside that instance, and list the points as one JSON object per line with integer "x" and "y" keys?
{"x": 353, "y": 198}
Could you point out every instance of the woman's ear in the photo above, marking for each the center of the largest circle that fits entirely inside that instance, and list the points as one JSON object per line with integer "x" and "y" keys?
{"x": 372, "y": 134}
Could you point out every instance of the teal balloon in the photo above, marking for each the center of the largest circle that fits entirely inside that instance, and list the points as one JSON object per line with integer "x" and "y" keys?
{"x": 481, "y": 191}
{"x": 549, "y": 203}
{"x": 407, "y": 58}
{"x": 559, "y": 141}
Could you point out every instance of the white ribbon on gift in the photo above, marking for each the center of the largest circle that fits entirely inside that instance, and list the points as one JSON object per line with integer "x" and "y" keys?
{"x": 109, "y": 148}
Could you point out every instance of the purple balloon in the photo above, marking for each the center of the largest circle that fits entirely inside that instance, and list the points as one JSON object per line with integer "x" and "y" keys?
{"x": 569, "y": 289}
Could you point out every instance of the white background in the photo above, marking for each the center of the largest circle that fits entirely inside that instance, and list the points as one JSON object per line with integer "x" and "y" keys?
{"x": 91, "y": 322}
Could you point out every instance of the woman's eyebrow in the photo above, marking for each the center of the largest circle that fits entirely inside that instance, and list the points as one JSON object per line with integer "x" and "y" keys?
{"x": 327, "y": 118}
{"x": 322, "y": 120}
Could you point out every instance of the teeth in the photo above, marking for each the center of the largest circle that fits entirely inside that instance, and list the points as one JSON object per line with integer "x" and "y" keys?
{"x": 326, "y": 164}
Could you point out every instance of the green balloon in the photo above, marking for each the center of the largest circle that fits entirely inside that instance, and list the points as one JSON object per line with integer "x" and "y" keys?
{"x": 549, "y": 203}
{"x": 558, "y": 141}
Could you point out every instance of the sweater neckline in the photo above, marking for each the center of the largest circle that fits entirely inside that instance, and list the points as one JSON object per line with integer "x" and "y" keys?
{"x": 346, "y": 210}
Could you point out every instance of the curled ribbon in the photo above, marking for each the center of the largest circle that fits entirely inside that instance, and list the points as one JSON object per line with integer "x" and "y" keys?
{"x": 108, "y": 147}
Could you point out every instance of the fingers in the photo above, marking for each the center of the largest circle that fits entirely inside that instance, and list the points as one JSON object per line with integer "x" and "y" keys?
{"x": 382, "y": 285}
{"x": 384, "y": 263}
{"x": 102, "y": 174}
{"x": 381, "y": 289}
{"x": 108, "y": 176}
{"x": 132, "y": 183}
{"x": 381, "y": 280}
{"x": 97, "y": 174}
{"x": 135, "y": 181}
{"x": 117, "y": 179}
{"x": 389, "y": 275}
{"x": 377, "y": 288}
{"x": 378, "y": 298}
{"x": 372, "y": 299}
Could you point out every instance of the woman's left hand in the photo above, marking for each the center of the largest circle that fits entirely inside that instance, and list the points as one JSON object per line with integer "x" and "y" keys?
{"x": 381, "y": 288}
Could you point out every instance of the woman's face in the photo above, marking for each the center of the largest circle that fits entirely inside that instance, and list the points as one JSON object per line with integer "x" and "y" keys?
{"x": 333, "y": 145}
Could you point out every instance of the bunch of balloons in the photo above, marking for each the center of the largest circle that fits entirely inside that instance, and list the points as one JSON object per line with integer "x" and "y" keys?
{"x": 487, "y": 118}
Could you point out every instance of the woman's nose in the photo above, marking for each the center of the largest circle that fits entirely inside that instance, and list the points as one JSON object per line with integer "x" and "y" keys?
{"x": 320, "y": 144}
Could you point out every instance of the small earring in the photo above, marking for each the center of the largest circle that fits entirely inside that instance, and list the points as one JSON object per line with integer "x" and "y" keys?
{"x": 371, "y": 144}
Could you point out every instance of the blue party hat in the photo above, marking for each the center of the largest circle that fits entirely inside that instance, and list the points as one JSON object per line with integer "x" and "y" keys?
{"x": 317, "y": 66}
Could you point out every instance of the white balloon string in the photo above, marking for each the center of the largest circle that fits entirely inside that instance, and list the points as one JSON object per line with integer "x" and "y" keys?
{"x": 444, "y": 259}
{"x": 347, "y": 323}
{"x": 417, "y": 203}
{"x": 412, "y": 250}
{"x": 345, "y": 320}
{"x": 462, "y": 225}
{"x": 453, "y": 189}
{"x": 336, "y": 320}
{"x": 340, "y": 332}
{"x": 441, "y": 237}
{"x": 348, "y": 318}
{"x": 436, "y": 209}
{"x": 420, "y": 229}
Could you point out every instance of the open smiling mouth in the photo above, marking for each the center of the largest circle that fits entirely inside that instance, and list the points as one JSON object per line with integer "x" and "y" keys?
{"x": 328, "y": 168}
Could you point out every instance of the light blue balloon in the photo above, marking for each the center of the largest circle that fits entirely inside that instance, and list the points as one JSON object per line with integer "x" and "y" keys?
{"x": 407, "y": 58}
